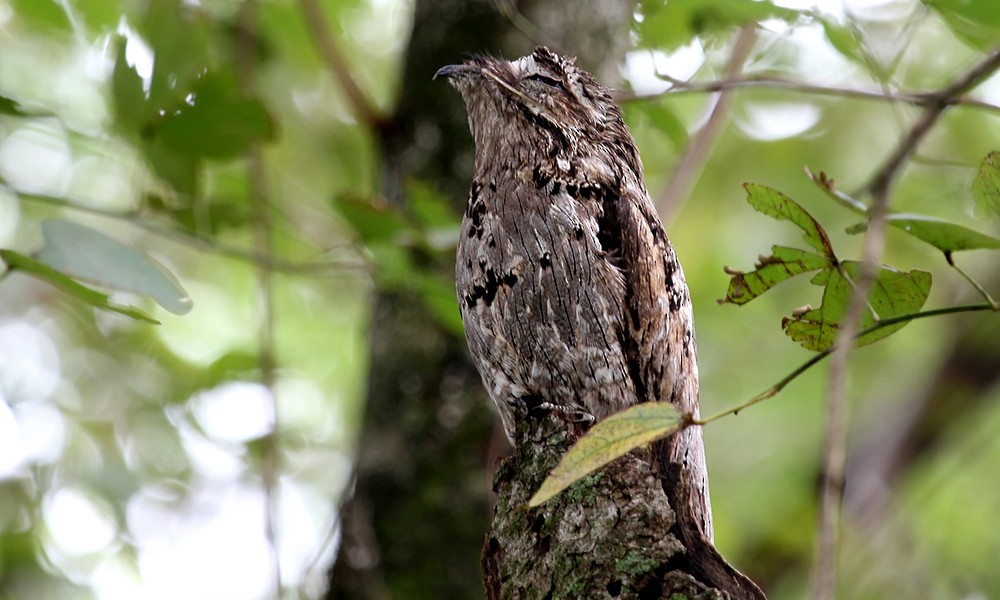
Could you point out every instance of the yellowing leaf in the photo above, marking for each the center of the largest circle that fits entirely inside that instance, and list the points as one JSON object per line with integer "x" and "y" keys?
{"x": 774, "y": 204}
{"x": 606, "y": 441}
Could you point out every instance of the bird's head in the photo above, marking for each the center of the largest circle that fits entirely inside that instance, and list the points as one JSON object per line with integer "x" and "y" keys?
{"x": 542, "y": 100}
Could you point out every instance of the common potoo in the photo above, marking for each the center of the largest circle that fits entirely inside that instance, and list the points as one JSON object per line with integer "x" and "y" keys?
{"x": 571, "y": 295}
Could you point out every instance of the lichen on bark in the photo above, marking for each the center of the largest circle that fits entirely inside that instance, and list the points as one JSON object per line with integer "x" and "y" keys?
{"x": 607, "y": 536}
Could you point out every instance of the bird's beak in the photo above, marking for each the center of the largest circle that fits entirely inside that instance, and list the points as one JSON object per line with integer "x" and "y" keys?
{"x": 449, "y": 71}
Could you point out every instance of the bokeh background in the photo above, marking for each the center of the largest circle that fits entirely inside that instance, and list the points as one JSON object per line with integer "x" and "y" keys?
{"x": 294, "y": 167}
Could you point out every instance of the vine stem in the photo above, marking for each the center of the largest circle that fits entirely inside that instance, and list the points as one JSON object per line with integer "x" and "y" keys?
{"x": 775, "y": 389}
{"x": 972, "y": 281}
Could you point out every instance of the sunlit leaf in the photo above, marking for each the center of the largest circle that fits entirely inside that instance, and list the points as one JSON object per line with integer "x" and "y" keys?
{"x": 975, "y": 21}
{"x": 100, "y": 15}
{"x": 30, "y": 266}
{"x": 669, "y": 24}
{"x": 84, "y": 253}
{"x": 986, "y": 186}
{"x": 783, "y": 264}
{"x": 943, "y": 235}
{"x": 773, "y": 203}
{"x": 41, "y": 13}
{"x": 894, "y": 293}
{"x": 606, "y": 441}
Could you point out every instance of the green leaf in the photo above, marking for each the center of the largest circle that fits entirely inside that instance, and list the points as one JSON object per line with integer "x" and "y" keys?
{"x": 100, "y": 15}
{"x": 606, "y": 441}
{"x": 179, "y": 170}
{"x": 84, "y": 253}
{"x": 986, "y": 186}
{"x": 438, "y": 294}
{"x": 847, "y": 40}
{"x": 48, "y": 14}
{"x": 11, "y": 107}
{"x": 943, "y": 235}
{"x": 178, "y": 34}
{"x": 975, "y": 21}
{"x": 30, "y": 266}
{"x": 893, "y": 293}
{"x": 666, "y": 121}
{"x": 131, "y": 108}
{"x": 783, "y": 264}
{"x": 671, "y": 24}
{"x": 373, "y": 220}
{"x": 774, "y": 204}
{"x": 430, "y": 207}
{"x": 215, "y": 122}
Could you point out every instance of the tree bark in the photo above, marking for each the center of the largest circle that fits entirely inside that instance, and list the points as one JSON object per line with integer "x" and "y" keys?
{"x": 614, "y": 534}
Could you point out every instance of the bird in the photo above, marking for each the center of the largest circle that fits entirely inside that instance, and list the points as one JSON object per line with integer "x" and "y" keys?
{"x": 571, "y": 295}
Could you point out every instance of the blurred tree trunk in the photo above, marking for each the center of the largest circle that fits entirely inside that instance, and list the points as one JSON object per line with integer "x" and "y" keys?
{"x": 414, "y": 524}
{"x": 416, "y": 521}
{"x": 897, "y": 440}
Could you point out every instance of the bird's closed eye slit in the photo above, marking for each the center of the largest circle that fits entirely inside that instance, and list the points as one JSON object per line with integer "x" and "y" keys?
{"x": 546, "y": 80}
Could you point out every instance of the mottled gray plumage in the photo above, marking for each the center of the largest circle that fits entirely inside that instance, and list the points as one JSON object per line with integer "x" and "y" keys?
{"x": 571, "y": 294}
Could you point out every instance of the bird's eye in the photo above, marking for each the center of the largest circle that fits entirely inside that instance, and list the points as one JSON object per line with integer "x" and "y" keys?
{"x": 546, "y": 80}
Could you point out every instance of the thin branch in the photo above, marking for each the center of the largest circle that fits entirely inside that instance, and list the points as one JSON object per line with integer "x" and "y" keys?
{"x": 257, "y": 258}
{"x": 692, "y": 162}
{"x": 271, "y": 455}
{"x": 764, "y": 82}
{"x": 775, "y": 389}
{"x": 835, "y": 435}
{"x": 935, "y": 104}
{"x": 364, "y": 109}
{"x": 979, "y": 288}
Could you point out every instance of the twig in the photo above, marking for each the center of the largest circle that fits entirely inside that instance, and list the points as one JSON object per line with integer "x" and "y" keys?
{"x": 364, "y": 109}
{"x": 777, "y": 83}
{"x": 935, "y": 104}
{"x": 692, "y": 162}
{"x": 135, "y": 218}
{"x": 835, "y": 435}
{"x": 979, "y": 288}
{"x": 271, "y": 456}
{"x": 775, "y": 389}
